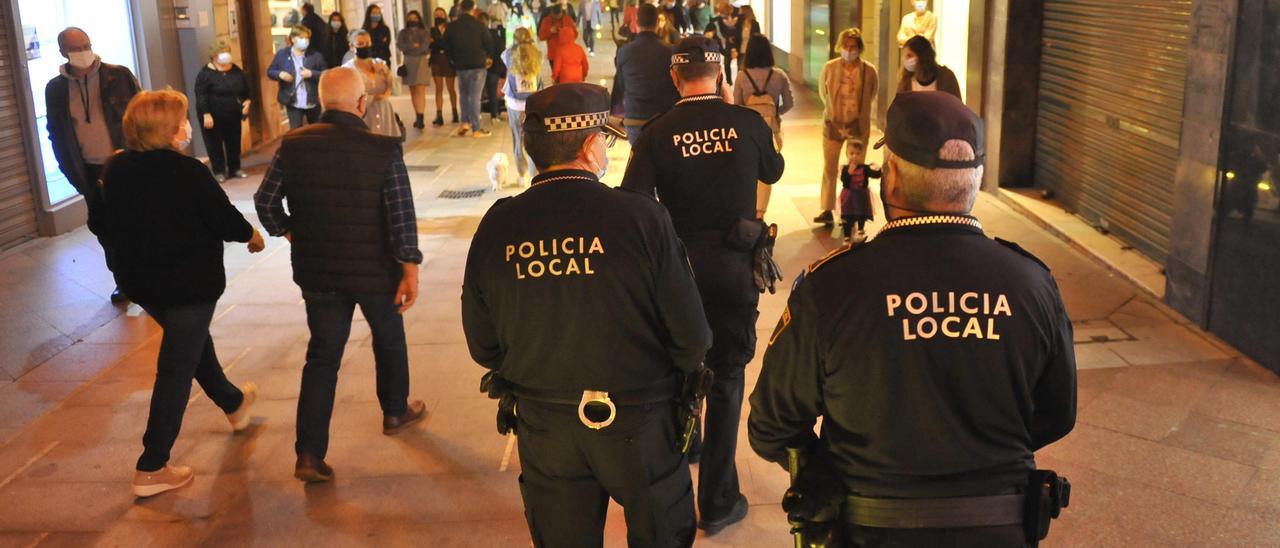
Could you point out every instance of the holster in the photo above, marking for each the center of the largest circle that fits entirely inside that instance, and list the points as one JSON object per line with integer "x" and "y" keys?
{"x": 757, "y": 238}
{"x": 499, "y": 389}
{"x": 689, "y": 405}
{"x": 1047, "y": 494}
{"x": 813, "y": 501}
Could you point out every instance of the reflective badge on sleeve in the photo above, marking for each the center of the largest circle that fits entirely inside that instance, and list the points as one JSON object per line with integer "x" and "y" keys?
{"x": 783, "y": 322}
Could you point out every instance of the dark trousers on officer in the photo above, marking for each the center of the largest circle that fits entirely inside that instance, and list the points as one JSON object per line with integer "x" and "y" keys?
{"x": 729, "y": 298}
{"x": 1004, "y": 536}
{"x": 329, "y": 319}
{"x": 569, "y": 473}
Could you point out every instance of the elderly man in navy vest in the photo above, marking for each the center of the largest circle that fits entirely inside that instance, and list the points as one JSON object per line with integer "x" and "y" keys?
{"x": 355, "y": 242}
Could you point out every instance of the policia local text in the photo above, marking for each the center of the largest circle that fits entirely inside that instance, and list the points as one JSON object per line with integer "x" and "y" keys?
{"x": 944, "y": 309}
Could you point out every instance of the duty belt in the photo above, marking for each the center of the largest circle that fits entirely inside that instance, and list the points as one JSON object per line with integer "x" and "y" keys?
{"x": 986, "y": 511}
{"x": 661, "y": 391}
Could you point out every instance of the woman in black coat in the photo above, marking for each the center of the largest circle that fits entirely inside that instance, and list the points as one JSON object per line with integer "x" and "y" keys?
{"x": 167, "y": 219}
{"x": 339, "y": 44}
{"x": 222, "y": 101}
{"x": 379, "y": 31}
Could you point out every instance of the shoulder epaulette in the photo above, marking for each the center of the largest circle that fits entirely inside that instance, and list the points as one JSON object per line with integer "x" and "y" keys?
{"x": 1017, "y": 248}
{"x": 824, "y": 260}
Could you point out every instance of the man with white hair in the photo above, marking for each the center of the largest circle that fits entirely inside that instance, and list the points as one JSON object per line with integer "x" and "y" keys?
{"x": 355, "y": 242}
{"x": 939, "y": 360}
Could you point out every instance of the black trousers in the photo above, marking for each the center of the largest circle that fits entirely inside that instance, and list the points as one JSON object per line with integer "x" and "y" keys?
{"x": 223, "y": 142}
{"x": 729, "y": 298}
{"x": 588, "y": 35}
{"x": 299, "y": 117}
{"x": 329, "y": 319}
{"x": 97, "y": 220}
{"x": 1005, "y": 536}
{"x": 569, "y": 473}
{"x": 186, "y": 351}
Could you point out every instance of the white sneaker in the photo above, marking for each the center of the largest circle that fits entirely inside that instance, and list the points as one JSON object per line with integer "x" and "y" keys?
{"x": 147, "y": 484}
{"x": 239, "y": 418}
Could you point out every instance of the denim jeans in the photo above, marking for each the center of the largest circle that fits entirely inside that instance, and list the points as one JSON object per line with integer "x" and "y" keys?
{"x": 470, "y": 86}
{"x": 186, "y": 351}
{"x": 299, "y": 117}
{"x": 522, "y": 161}
{"x": 329, "y": 318}
{"x": 633, "y": 134}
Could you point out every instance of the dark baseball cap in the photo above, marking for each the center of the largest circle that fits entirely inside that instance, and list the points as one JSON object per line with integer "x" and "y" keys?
{"x": 569, "y": 107}
{"x": 696, "y": 49}
{"x": 919, "y": 123}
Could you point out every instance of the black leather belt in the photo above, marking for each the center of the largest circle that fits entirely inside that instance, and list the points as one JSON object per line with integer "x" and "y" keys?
{"x": 934, "y": 513}
{"x": 661, "y": 391}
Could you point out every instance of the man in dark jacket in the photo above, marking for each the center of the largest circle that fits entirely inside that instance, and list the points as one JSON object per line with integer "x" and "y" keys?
{"x": 468, "y": 43}
{"x": 319, "y": 30}
{"x": 642, "y": 82}
{"x": 85, "y": 105}
{"x": 355, "y": 242}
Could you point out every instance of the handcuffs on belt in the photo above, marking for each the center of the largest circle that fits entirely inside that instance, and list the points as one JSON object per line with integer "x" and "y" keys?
{"x": 596, "y": 397}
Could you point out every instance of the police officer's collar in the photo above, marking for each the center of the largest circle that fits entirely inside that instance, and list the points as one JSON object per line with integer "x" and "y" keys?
{"x": 564, "y": 175}
{"x": 700, "y": 97}
{"x": 963, "y": 221}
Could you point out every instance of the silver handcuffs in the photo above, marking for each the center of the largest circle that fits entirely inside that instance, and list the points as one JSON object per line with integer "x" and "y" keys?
{"x": 600, "y": 397}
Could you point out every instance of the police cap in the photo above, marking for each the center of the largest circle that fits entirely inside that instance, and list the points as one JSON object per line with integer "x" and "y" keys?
{"x": 696, "y": 49}
{"x": 569, "y": 107}
{"x": 919, "y": 123}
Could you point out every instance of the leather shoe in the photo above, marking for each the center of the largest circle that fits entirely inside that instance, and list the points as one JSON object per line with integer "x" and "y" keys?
{"x": 395, "y": 425}
{"x": 738, "y": 513}
{"x": 312, "y": 469}
{"x": 118, "y": 296}
{"x": 825, "y": 218}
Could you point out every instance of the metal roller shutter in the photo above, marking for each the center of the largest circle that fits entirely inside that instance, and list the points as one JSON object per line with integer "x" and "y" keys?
{"x": 17, "y": 205}
{"x": 1110, "y": 112}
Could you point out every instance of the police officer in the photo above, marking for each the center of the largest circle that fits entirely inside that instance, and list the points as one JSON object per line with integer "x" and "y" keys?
{"x": 703, "y": 159}
{"x": 588, "y": 314}
{"x": 938, "y": 375}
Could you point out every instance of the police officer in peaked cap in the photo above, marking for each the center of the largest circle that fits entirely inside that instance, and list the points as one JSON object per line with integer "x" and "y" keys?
{"x": 703, "y": 159}
{"x": 939, "y": 359}
{"x": 588, "y": 319}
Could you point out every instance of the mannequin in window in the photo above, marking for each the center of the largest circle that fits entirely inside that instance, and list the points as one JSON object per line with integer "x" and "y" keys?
{"x": 920, "y": 22}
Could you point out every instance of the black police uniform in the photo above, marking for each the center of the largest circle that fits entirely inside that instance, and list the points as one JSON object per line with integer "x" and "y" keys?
{"x": 939, "y": 360}
{"x": 574, "y": 286}
{"x": 703, "y": 159}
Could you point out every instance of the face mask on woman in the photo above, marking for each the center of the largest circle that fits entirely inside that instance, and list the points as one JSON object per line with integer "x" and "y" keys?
{"x": 413, "y": 22}
{"x": 364, "y": 53}
{"x": 184, "y": 135}
{"x": 850, "y": 56}
{"x": 335, "y": 24}
{"x": 910, "y": 64}
{"x": 301, "y": 44}
{"x": 375, "y": 18}
{"x": 440, "y": 21}
{"x": 224, "y": 58}
{"x": 922, "y": 5}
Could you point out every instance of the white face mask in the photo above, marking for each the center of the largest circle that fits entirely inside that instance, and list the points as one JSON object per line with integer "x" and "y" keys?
{"x": 224, "y": 58}
{"x": 184, "y": 135}
{"x": 301, "y": 44}
{"x": 82, "y": 59}
{"x": 603, "y": 159}
{"x": 850, "y": 56}
{"x": 921, "y": 6}
{"x": 910, "y": 64}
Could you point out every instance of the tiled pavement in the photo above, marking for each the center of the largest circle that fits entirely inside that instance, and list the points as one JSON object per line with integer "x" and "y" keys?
{"x": 1178, "y": 441}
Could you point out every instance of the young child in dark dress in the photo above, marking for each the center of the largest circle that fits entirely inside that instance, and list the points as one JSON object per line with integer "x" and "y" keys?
{"x": 855, "y": 196}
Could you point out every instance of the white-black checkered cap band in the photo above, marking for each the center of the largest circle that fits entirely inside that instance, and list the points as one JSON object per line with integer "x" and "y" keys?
{"x": 707, "y": 57}
{"x": 575, "y": 122}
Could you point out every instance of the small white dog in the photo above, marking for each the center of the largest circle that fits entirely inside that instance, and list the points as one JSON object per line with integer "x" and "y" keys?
{"x": 499, "y": 170}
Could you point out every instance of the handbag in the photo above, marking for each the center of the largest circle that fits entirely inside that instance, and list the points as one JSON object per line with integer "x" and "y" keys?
{"x": 403, "y": 71}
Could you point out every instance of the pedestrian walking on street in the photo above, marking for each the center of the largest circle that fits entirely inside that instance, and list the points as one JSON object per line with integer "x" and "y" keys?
{"x": 699, "y": 14}
{"x": 936, "y": 381}
{"x": 469, "y": 43}
{"x": 319, "y": 32}
{"x": 499, "y": 13}
{"x": 557, "y": 30}
{"x": 596, "y": 387}
{"x": 764, "y": 88}
{"x": 85, "y": 105}
{"x": 414, "y": 43}
{"x": 642, "y": 77}
{"x": 354, "y": 239}
{"x": 222, "y": 103}
{"x": 856, "y": 207}
{"x": 379, "y": 115}
{"x": 442, "y": 72}
{"x": 847, "y": 86}
{"x": 921, "y": 71}
{"x": 702, "y": 160}
{"x": 168, "y": 219}
{"x": 339, "y": 44}
{"x": 298, "y": 74}
{"x": 494, "y": 75}
{"x": 723, "y": 29}
{"x": 570, "y": 65}
{"x": 379, "y": 32}
{"x": 592, "y": 16}
{"x": 527, "y": 73}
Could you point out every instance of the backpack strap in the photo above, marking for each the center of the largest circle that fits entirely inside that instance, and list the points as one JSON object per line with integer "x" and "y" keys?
{"x": 755, "y": 90}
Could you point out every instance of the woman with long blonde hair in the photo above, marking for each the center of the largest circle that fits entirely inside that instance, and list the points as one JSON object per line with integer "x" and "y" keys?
{"x": 526, "y": 73}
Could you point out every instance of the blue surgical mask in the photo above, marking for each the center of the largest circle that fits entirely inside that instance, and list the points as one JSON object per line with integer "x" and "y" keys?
{"x": 375, "y": 18}
{"x": 301, "y": 44}
{"x": 922, "y": 5}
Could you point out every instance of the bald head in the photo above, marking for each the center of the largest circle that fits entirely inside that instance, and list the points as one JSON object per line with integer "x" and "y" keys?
{"x": 73, "y": 39}
{"x": 341, "y": 89}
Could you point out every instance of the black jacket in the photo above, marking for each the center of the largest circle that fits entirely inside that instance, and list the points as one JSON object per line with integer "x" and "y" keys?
{"x": 219, "y": 93}
{"x": 117, "y": 86}
{"x": 642, "y": 82}
{"x": 338, "y": 44}
{"x": 319, "y": 34}
{"x": 468, "y": 43}
{"x": 938, "y": 359}
{"x": 334, "y": 175}
{"x": 381, "y": 44}
{"x": 592, "y": 292}
{"x": 166, "y": 220}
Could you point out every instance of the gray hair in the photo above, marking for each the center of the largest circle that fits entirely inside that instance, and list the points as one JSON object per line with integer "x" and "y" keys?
{"x": 929, "y": 189}
{"x": 63, "y": 35}
{"x": 356, "y": 34}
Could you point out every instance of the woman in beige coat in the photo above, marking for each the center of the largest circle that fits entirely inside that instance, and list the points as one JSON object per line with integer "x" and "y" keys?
{"x": 847, "y": 88}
